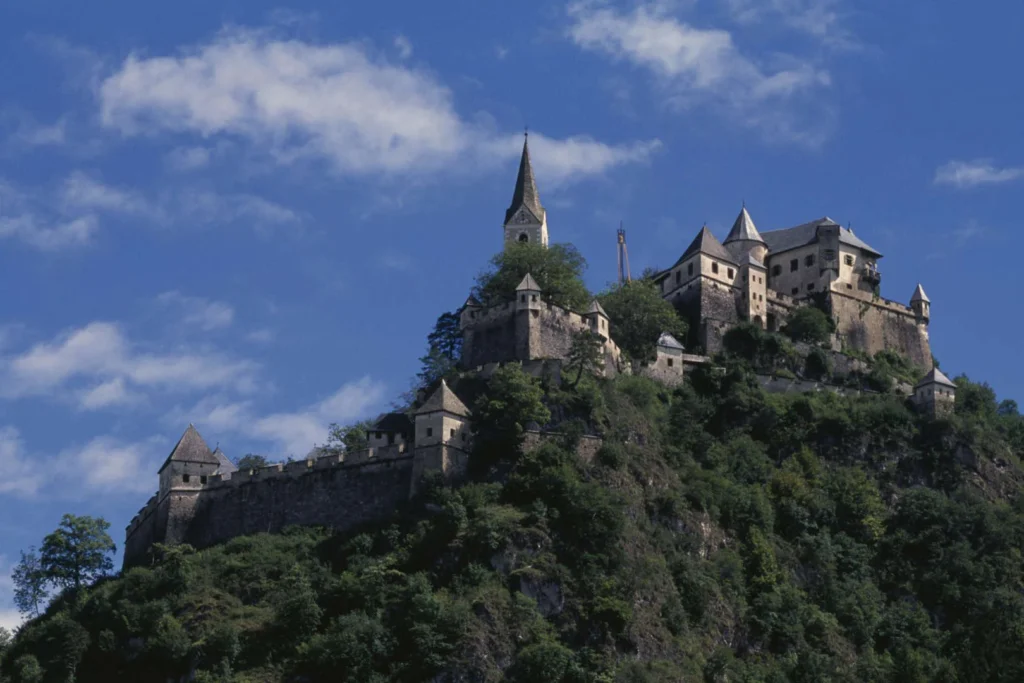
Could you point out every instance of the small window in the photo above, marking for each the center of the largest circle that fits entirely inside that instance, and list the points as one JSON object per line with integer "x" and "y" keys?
{"x": 186, "y": 478}
{"x": 760, "y": 281}
{"x": 849, "y": 259}
{"x": 761, "y": 297}
{"x": 794, "y": 264}
{"x": 524, "y": 237}
{"x": 534, "y": 298}
{"x": 679, "y": 277}
{"x": 669, "y": 361}
{"x": 810, "y": 287}
{"x": 830, "y": 255}
{"x": 753, "y": 296}
{"x": 380, "y": 435}
{"x": 714, "y": 267}
{"x": 451, "y": 433}
{"x": 522, "y": 298}
{"x": 430, "y": 431}
{"x": 202, "y": 479}
{"x": 729, "y": 273}
{"x": 849, "y": 286}
{"x": 776, "y": 270}
{"x": 689, "y": 269}
{"x": 809, "y": 260}
{"x": 796, "y": 290}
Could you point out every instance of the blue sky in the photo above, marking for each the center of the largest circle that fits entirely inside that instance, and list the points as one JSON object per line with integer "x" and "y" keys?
{"x": 248, "y": 215}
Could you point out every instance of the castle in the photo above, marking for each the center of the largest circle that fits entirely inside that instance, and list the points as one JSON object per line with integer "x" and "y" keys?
{"x": 754, "y": 277}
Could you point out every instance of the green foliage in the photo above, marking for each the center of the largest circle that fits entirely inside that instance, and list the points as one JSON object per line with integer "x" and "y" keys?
{"x": 558, "y": 269}
{"x": 720, "y": 533}
{"x": 585, "y": 355}
{"x": 809, "y": 324}
{"x": 444, "y": 347}
{"x": 77, "y": 552}
{"x": 30, "y": 580}
{"x": 764, "y": 351}
{"x": 354, "y": 437}
{"x": 512, "y": 401}
{"x": 638, "y": 315}
{"x": 251, "y": 461}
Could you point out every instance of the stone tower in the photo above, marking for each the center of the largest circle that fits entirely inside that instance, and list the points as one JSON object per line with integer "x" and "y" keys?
{"x": 443, "y": 436}
{"x": 183, "y": 476}
{"x": 744, "y": 239}
{"x": 935, "y": 394}
{"x": 921, "y": 305}
{"x": 526, "y": 220}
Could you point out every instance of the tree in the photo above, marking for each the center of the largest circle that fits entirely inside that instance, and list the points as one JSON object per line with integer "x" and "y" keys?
{"x": 77, "y": 552}
{"x": 353, "y": 437}
{"x": 638, "y": 316}
{"x": 29, "y": 584}
{"x": 558, "y": 270}
{"x": 512, "y": 401}
{"x": 252, "y": 461}
{"x": 809, "y": 324}
{"x": 447, "y": 336}
{"x": 585, "y": 354}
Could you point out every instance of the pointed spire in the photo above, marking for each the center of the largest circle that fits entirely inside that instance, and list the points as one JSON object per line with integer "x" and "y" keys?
{"x": 596, "y": 307}
{"x": 528, "y": 285}
{"x": 525, "y": 194}
{"x": 744, "y": 228}
{"x": 444, "y": 400}
{"x": 667, "y": 341}
{"x": 919, "y": 295}
{"x": 191, "y": 448}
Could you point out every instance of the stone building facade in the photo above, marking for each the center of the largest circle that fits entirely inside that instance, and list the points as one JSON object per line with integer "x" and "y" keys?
{"x": 763, "y": 277}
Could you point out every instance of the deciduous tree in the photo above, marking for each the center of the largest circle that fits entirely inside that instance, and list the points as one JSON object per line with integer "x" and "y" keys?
{"x": 77, "y": 552}
{"x": 638, "y": 316}
{"x": 585, "y": 355}
{"x": 29, "y": 583}
{"x": 558, "y": 270}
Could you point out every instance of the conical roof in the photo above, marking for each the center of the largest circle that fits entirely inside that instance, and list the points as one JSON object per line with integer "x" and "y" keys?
{"x": 596, "y": 307}
{"x": 226, "y": 466}
{"x": 919, "y": 295}
{"x": 525, "y": 194}
{"x": 191, "y": 448}
{"x": 706, "y": 243}
{"x": 667, "y": 341}
{"x": 444, "y": 399}
{"x": 744, "y": 229}
{"x": 528, "y": 284}
{"x": 936, "y": 376}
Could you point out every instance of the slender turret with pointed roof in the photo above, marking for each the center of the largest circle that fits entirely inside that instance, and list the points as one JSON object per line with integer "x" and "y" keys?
{"x": 191, "y": 448}
{"x": 744, "y": 239}
{"x": 526, "y": 219}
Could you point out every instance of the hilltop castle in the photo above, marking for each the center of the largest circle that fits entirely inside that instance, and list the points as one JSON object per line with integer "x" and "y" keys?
{"x": 754, "y": 277}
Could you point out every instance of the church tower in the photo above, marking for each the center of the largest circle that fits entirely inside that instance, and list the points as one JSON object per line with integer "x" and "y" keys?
{"x": 526, "y": 220}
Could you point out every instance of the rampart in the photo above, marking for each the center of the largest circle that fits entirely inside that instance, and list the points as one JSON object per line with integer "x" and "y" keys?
{"x": 335, "y": 491}
{"x": 872, "y": 324}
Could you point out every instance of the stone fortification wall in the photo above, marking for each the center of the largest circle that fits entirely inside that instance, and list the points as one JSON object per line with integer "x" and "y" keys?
{"x": 493, "y": 336}
{"x": 712, "y": 308}
{"x": 335, "y": 490}
{"x": 872, "y": 324}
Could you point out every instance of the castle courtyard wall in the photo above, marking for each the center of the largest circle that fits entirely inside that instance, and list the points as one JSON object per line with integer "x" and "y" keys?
{"x": 874, "y": 324}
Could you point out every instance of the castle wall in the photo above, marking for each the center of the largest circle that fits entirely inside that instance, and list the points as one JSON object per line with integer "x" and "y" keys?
{"x": 794, "y": 283}
{"x": 339, "y": 497}
{"x": 873, "y": 324}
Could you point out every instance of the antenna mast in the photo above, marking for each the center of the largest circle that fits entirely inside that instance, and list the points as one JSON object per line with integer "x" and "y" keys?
{"x": 623, "y": 257}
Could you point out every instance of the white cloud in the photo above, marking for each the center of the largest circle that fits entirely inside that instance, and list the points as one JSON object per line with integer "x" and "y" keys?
{"x": 111, "y": 467}
{"x": 22, "y": 475}
{"x": 32, "y": 134}
{"x": 188, "y": 158}
{"x": 210, "y": 208}
{"x": 817, "y": 18}
{"x": 967, "y": 174}
{"x": 203, "y": 313}
{"x": 100, "y": 352}
{"x": 698, "y": 65}
{"x": 296, "y": 100}
{"x": 559, "y": 161}
{"x": 293, "y": 433}
{"x": 261, "y": 336}
{"x": 404, "y": 47}
{"x": 113, "y": 392}
{"x": 84, "y": 193}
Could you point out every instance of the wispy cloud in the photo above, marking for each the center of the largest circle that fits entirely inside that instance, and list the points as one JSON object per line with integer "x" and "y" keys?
{"x": 206, "y": 314}
{"x": 100, "y": 366}
{"x": 21, "y": 474}
{"x": 821, "y": 19}
{"x": 297, "y": 100}
{"x": 703, "y": 66}
{"x": 968, "y": 174}
{"x": 293, "y": 433}
{"x": 404, "y": 47}
{"x": 188, "y": 158}
{"x": 24, "y": 216}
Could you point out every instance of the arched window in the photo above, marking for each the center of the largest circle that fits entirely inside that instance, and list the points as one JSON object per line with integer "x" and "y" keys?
{"x": 523, "y": 237}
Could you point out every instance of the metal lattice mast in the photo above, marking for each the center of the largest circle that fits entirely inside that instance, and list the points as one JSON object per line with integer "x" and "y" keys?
{"x": 624, "y": 275}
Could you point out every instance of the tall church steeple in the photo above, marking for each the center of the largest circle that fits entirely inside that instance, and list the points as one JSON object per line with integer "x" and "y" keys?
{"x": 526, "y": 220}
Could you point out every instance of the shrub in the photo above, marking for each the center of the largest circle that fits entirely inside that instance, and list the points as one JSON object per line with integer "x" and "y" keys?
{"x": 809, "y": 324}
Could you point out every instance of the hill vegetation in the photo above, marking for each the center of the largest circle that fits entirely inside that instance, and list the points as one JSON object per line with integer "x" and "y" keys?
{"x": 719, "y": 534}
